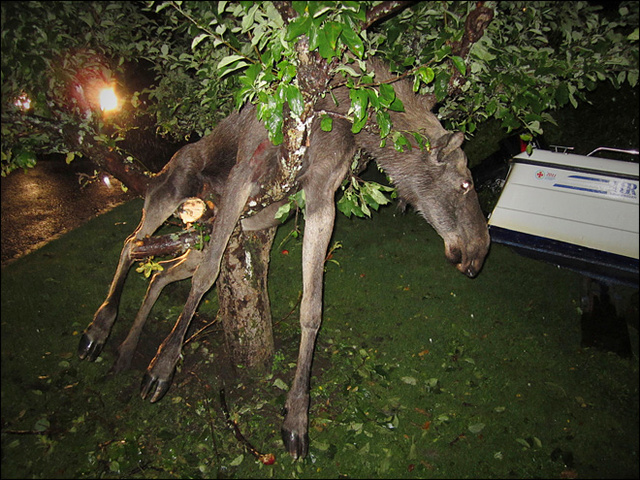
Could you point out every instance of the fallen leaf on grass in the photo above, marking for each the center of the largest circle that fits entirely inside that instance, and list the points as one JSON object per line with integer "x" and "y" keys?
{"x": 476, "y": 427}
{"x": 409, "y": 380}
{"x": 569, "y": 474}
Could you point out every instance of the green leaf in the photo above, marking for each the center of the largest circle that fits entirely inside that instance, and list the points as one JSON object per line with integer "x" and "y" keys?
{"x": 373, "y": 98}
{"x": 358, "y": 125}
{"x": 409, "y": 380}
{"x": 333, "y": 31}
{"x": 283, "y": 212}
{"x": 298, "y": 27}
{"x": 476, "y": 427}
{"x": 228, "y": 60}
{"x": 326, "y": 123}
{"x": 384, "y": 122}
{"x": 458, "y": 62}
{"x": 353, "y": 41}
{"x": 400, "y": 142}
{"x": 359, "y": 103}
{"x": 374, "y": 190}
{"x": 295, "y": 100}
{"x": 279, "y": 383}
{"x": 286, "y": 71}
{"x": 300, "y": 7}
{"x": 387, "y": 95}
{"x": 42, "y": 425}
{"x": 442, "y": 85}
{"x": 25, "y": 159}
{"x": 312, "y": 34}
{"x": 299, "y": 199}
{"x": 421, "y": 140}
{"x": 323, "y": 447}
{"x": 426, "y": 74}
{"x": 397, "y": 105}
{"x": 274, "y": 128}
{"x": 324, "y": 47}
{"x": 199, "y": 39}
{"x": 347, "y": 205}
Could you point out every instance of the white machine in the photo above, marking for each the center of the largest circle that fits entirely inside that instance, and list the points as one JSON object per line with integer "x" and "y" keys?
{"x": 579, "y": 212}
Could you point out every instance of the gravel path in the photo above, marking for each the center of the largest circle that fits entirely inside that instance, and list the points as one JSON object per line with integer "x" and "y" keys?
{"x": 47, "y": 201}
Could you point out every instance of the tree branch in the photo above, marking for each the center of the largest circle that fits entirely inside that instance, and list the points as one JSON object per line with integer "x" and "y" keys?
{"x": 474, "y": 27}
{"x": 286, "y": 11}
{"x": 384, "y": 10}
{"x": 169, "y": 244}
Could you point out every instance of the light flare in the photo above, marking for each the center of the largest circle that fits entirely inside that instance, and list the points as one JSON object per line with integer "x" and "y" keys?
{"x": 23, "y": 102}
{"x": 108, "y": 99}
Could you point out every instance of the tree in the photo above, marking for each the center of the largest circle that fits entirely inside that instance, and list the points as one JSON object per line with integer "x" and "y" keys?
{"x": 512, "y": 61}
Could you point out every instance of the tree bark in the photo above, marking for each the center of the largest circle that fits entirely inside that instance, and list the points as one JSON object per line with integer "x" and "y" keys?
{"x": 243, "y": 296}
{"x": 173, "y": 244}
{"x": 110, "y": 162}
{"x": 133, "y": 179}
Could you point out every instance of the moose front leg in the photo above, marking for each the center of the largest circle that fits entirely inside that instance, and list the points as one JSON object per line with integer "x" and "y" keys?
{"x": 317, "y": 235}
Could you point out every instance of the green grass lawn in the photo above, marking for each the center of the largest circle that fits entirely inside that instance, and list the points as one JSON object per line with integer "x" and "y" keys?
{"x": 419, "y": 371}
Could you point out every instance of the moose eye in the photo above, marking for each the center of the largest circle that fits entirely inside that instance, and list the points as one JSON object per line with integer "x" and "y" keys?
{"x": 465, "y": 186}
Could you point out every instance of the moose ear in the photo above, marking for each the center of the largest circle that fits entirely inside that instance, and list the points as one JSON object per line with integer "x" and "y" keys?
{"x": 455, "y": 141}
{"x": 447, "y": 144}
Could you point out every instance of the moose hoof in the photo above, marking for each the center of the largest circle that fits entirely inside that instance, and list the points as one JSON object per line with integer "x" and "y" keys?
{"x": 89, "y": 349}
{"x": 297, "y": 445}
{"x": 154, "y": 388}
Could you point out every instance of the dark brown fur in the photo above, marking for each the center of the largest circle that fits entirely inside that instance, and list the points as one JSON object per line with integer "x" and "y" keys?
{"x": 236, "y": 163}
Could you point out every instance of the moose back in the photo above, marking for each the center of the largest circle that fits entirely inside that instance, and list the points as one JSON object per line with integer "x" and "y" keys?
{"x": 237, "y": 163}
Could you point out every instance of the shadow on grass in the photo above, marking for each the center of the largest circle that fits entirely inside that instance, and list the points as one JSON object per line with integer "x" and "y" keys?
{"x": 419, "y": 371}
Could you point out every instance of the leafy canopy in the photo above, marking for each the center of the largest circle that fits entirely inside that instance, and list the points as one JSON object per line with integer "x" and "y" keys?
{"x": 206, "y": 58}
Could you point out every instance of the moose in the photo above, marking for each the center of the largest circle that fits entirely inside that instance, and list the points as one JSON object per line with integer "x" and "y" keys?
{"x": 236, "y": 162}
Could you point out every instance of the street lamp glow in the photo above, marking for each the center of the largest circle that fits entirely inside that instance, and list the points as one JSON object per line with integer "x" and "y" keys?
{"x": 23, "y": 102}
{"x": 108, "y": 99}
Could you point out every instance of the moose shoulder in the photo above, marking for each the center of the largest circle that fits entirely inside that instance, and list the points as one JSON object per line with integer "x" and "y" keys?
{"x": 236, "y": 163}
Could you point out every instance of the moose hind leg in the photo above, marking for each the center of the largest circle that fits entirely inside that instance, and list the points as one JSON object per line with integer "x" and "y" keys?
{"x": 157, "y": 209}
{"x": 96, "y": 334}
{"x": 174, "y": 270}
{"x": 159, "y": 375}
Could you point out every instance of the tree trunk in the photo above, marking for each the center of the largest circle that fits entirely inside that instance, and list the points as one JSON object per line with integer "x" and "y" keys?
{"x": 111, "y": 162}
{"x": 245, "y": 309}
{"x": 132, "y": 178}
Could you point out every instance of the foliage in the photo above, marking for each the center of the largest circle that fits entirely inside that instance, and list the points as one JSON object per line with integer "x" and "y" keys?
{"x": 532, "y": 58}
{"x": 56, "y": 55}
{"x": 535, "y": 58}
{"x": 148, "y": 267}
